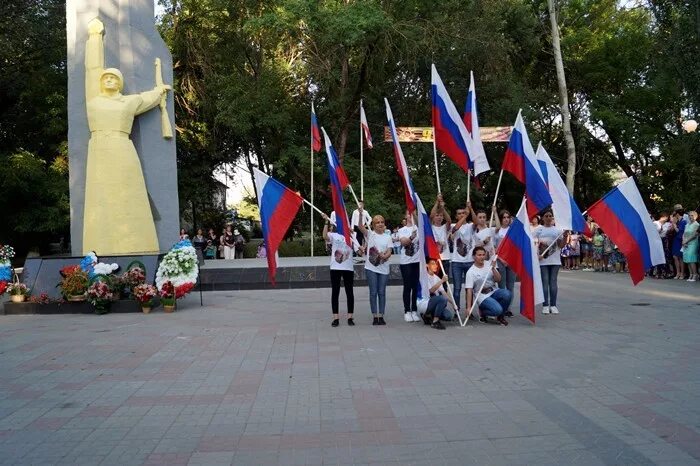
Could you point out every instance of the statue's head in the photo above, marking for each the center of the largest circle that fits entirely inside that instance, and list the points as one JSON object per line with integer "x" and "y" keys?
{"x": 112, "y": 80}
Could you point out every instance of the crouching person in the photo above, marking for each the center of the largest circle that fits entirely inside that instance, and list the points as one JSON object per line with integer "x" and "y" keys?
{"x": 492, "y": 301}
{"x": 433, "y": 308}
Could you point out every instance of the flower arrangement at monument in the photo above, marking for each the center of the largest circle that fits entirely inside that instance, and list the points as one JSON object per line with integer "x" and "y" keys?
{"x": 92, "y": 266}
{"x": 179, "y": 269}
{"x": 100, "y": 295}
{"x": 74, "y": 283}
{"x": 144, "y": 294}
{"x": 167, "y": 296}
{"x": 18, "y": 292}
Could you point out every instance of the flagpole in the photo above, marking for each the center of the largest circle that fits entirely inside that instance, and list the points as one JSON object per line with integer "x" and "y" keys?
{"x": 449, "y": 291}
{"x": 495, "y": 198}
{"x": 557, "y": 238}
{"x": 437, "y": 172}
{"x": 312, "y": 183}
{"x": 469, "y": 185}
{"x": 352, "y": 191}
{"x": 318, "y": 210}
{"x": 362, "y": 161}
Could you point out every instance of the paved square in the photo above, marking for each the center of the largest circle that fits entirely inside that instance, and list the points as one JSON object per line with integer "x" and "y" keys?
{"x": 260, "y": 377}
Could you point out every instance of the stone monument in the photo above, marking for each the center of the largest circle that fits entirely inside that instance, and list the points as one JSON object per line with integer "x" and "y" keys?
{"x": 123, "y": 168}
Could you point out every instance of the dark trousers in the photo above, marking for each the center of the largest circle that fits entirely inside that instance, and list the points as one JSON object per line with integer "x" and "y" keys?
{"x": 347, "y": 276}
{"x": 411, "y": 276}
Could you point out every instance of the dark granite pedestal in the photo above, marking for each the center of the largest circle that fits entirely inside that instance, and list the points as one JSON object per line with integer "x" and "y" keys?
{"x": 121, "y": 306}
{"x": 41, "y": 274}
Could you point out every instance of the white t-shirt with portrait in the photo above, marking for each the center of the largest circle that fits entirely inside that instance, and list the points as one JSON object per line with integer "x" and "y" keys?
{"x": 432, "y": 280}
{"x": 377, "y": 244}
{"x": 409, "y": 254}
{"x": 476, "y": 276}
{"x": 462, "y": 241}
{"x": 544, "y": 236}
{"x": 440, "y": 234}
{"x": 485, "y": 239}
{"x": 500, "y": 235}
{"x": 341, "y": 253}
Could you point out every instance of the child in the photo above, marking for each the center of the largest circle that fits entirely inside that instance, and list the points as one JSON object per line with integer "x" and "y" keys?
{"x": 607, "y": 251}
{"x": 574, "y": 242}
{"x": 598, "y": 240}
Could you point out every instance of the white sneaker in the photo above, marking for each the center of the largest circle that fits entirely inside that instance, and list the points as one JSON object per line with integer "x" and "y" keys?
{"x": 416, "y": 317}
{"x": 407, "y": 317}
{"x": 553, "y": 310}
{"x": 545, "y": 310}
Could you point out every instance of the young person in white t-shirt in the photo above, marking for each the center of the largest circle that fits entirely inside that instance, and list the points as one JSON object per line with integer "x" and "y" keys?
{"x": 461, "y": 235}
{"x": 378, "y": 250}
{"x": 507, "y": 274}
{"x": 492, "y": 301}
{"x": 441, "y": 223}
{"x": 547, "y": 235}
{"x": 341, "y": 269}
{"x": 434, "y": 307}
{"x": 410, "y": 268}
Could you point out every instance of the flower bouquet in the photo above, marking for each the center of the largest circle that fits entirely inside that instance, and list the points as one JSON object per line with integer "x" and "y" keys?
{"x": 144, "y": 294}
{"x": 134, "y": 276}
{"x": 167, "y": 296}
{"x": 74, "y": 283}
{"x": 100, "y": 294}
{"x": 6, "y": 254}
{"x": 179, "y": 269}
{"x": 18, "y": 292}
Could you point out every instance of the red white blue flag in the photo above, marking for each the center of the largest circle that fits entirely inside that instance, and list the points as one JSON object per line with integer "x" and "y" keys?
{"x": 401, "y": 167}
{"x": 315, "y": 132}
{"x": 365, "y": 127}
{"x": 624, "y": 218}
{"x": 449, "y": 133}
{"x": 518, "y": 251}
{"x": 479, "y": 161}
{"x": 339, "y": 181}
{"x": 278, "y": 207}
{"x": 521, "y": 162}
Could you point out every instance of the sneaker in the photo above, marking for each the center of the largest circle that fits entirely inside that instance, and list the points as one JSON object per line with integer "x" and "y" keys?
{"x": 351, "y": 321}
{"x": 554, "y": 310}
{"x": 335, "y": 322}
{"x": 427, "y": 318}
{"x": 483, "y": 320}
{"x": 381, "y": 320}
{"x": 545, "y": 310}
{"x": 415, "y": 316}
{"x": 407, "y": 317}
{"x": 437, "y": 325}
{"x": 508, "y": 314}
{"x": 502, "y": 320}
{"x": 375, "y": 321}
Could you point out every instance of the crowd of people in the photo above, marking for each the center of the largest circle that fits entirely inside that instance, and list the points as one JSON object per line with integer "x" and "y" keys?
{"x": 230, "y": 244}
{"x": 467, "y": 250}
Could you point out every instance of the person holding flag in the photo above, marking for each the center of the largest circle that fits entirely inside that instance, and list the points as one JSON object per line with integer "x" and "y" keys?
{"x": 481, "y": 286}
{"x": 408, "y": 237}
{"x": 341, "y": 269}
{"x": 441, "y": 223}
{"x": 434, "y": 306}
{"x": 549, "y": 239}
{"x": 461, "y": 234}
{"x": 378, "y": 250}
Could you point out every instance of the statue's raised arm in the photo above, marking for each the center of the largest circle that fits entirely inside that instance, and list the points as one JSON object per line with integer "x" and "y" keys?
{"x": 94, "y": 58}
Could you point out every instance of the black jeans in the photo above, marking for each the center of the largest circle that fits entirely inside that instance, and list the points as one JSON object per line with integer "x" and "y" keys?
{"x": 411, "y": 281}
{"x": 347, "y": 276}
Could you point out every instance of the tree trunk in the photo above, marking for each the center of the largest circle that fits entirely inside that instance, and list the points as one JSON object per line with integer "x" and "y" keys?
{"x": 563, "y": 99}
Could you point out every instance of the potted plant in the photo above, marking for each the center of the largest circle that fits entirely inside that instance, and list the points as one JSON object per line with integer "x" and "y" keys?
{"x": 144, "y": 294}
{"x": 18, "y": 292}
{"x": 100, "y": 294}
{"x": 74, "y": 283}
{"x": 167, "y": 296}
{"x": 134, "y": 276}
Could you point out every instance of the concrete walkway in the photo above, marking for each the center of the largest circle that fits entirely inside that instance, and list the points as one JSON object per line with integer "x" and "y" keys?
{"x": 260, "y": 377}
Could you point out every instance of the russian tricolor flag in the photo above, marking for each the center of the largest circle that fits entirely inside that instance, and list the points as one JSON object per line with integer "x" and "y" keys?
{"x": 429, "y": 249}
{"x": 518, "y": 251}
{"x": 401, "y": 166}
{"x": 566, "y": 213}
{"x": 449, "y": 132}
{"x": 278, "y": 207}
{"x": 521, "y": 161}
{"x": 480, "y": 163}
{"x": 339, "y": 181}
{"x": 315, "y": 133}
{"x": 624, "y": 218}
{"x": 365, "y": 126}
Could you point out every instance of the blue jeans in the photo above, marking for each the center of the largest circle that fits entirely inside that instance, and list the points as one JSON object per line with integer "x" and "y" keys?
{"x": 496, "y": 304}
{"x": 507, "y": 277}
{"x": 458, "y": 270}
{"x": 549, "y": 284}
{"x": 411, "y": 282}
{"x": 377, "y": 291}
{"x": 437, "y": 307}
